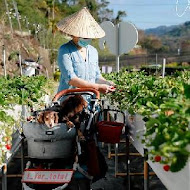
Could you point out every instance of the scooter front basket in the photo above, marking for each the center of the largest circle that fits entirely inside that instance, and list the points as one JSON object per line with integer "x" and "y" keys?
{"x": 49, "y": 143}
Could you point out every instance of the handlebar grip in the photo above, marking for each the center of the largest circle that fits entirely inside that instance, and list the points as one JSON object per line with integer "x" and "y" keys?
{"x": 73, "y": 90}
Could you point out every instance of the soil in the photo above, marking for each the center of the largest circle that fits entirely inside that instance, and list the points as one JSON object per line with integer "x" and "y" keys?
{"x": 26, "y": 45}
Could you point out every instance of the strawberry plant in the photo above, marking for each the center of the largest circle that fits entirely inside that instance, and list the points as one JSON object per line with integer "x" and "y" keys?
{"x": 18, "y": 91}
{"x": 164, "y": 104}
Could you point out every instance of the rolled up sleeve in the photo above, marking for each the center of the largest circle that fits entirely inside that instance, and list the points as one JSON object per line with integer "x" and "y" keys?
{"x": 65, "y": 65}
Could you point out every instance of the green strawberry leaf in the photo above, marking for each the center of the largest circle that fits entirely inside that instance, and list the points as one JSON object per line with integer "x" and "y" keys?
{"x": 179, "y": 162}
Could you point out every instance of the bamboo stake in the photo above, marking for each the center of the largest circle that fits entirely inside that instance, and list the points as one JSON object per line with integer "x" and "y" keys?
{"x": 20, "y": 63}
{"x": 17, "y": 15}
{"x": 4, "y": 62}
{"x": 9, "y": 17}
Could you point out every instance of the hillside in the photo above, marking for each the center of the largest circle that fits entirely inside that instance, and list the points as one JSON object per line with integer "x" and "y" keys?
{"x": 39, "y": 18}
{"x": 28, "y": 47}
{"x": 161, "y": 30}
{"x": 175, "y": 38}
{"x": 176, "y": 31}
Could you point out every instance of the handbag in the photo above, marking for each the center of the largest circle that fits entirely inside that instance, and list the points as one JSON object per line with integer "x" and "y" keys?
{"x": 96, "y": 163}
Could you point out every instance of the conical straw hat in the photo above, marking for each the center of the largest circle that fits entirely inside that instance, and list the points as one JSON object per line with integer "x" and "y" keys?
{"x": 81, "y": 24}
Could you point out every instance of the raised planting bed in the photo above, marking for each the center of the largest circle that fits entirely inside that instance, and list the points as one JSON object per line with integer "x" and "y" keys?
{"x": 164, "y": 104}
{"x": 152, "y": 69}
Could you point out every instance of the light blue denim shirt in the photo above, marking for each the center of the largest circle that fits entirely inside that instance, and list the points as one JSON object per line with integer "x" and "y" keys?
{"x": 72, "y": 64}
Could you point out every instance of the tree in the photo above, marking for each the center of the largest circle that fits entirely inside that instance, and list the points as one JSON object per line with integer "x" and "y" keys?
{"x": 185, "y": 47}
{"x": 104, "y": 14}
{"x": 152, "y": 43}
{"x": 120, "y": 15}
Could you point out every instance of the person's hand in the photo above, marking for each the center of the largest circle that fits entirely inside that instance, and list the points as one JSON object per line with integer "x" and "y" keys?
{"x": 104, "y": 88}
{"x": 111, "y": 83}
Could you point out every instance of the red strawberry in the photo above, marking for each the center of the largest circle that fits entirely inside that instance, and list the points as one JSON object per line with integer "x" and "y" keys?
{"x": 166, "y": 168}
{"x": 157, "y": 158}
{"x": 8, "y": 146}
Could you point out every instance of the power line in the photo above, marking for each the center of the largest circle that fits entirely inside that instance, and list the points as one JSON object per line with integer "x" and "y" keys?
{"x": 147, "y": 22}
{"x": 122, "y": 4}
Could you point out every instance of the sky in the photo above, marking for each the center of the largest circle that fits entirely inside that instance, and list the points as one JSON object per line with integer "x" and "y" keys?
{"x": 146, "y": 14}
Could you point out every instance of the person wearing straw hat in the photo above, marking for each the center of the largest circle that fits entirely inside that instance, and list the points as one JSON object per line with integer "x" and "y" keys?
{"x": 77, "y": 59}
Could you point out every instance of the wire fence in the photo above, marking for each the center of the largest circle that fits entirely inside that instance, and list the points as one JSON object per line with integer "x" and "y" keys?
{"x": 137, "y": 61}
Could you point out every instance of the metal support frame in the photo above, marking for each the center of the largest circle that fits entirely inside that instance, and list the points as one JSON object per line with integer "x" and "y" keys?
{"x": 127, "y": 156}
{"x": 4, "y": 177}
{"x": 116, "y": 158}
{"x": 109, "y": 151}
{"x": 146, "y": 170}
{"x": 146, "y": 173}
{"x": 22, "y": 155}
{"x": 4, "y": 174}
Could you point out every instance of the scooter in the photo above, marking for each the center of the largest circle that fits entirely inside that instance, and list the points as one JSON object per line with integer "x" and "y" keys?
{"x": 54, "y": 153}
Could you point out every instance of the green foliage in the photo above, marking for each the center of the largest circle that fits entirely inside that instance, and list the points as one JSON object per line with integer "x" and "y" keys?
{"x": 22, "y": 91}
{"x": 18, "y": 91}
{"x": 43, "y": 15}
{"x": 57, "y": 75}
{"x": 42, "y": 11}
{"x": 165, "y": 105}
{"x": 173, "y": 64}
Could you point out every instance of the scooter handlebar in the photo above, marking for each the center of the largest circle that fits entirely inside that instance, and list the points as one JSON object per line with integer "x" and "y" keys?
{"x": 73, "y": 90}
